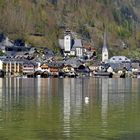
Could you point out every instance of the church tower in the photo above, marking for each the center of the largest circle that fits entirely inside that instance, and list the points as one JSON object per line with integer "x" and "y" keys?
{"x": 67, "y": 41}
{"x": 104, "y": 49}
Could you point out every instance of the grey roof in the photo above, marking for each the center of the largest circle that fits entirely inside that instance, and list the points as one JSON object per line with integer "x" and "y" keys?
{"x": 77, "y": 43}
{"x": 2, "y": 57}
{"x": 55, "y": 64}
{"x": 73, "y": 49}
{"x": 22, "y": 61}
{"x": 28, "y": 62}
{"x": 2, "y": 47}
{"x": 7, "y": 60}
{"x": 120, "y": 66}
{"x": 73, "y": 62}
{"x": 119, "y": 59}
{"x": 104, "y": 49}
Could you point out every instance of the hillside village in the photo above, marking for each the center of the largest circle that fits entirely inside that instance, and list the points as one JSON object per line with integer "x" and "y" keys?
{"x": 74, "y": 60}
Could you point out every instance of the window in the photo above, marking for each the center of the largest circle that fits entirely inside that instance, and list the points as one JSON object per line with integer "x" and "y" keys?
{"x": 78, "y": 51}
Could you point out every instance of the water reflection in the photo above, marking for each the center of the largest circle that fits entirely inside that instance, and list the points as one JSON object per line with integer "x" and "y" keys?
{"x": 67, "y": 106}
{"x": 104, "y": 106}
{"x": 73, "y": 90}
{"x": 1, "y": 85}
{"x": 55, "y": 108}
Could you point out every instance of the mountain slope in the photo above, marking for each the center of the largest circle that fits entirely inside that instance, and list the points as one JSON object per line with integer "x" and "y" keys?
{"x": 41, "y": 22}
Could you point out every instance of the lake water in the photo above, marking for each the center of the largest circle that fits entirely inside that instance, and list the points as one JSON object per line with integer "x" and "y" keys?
{"x": 55, "y": 109}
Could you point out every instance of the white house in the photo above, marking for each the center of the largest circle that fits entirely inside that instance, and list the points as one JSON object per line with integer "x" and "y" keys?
{"x": 71, "y": 46}
{"x": 78, "y": 48}
{"x": 7, "y": 42}
{"x": 105, "y": 50}
{"x": 1, "y": 65}
{"x": 119, "y": 59}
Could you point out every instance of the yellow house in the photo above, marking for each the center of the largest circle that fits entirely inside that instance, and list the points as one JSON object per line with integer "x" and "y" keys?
{"x": 11, "y": 67}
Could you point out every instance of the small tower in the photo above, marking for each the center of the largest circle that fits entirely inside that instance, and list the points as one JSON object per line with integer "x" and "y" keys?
{"x": 67, "y": 41}
{"x": 105, "y": 50}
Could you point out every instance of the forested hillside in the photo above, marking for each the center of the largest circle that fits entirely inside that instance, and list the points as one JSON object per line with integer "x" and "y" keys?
{"x": 41, "y": 22}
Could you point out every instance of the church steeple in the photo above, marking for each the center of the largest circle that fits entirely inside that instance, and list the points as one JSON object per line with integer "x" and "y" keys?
{"x": 105, "y": 39}
{"x": 105, "y": 49}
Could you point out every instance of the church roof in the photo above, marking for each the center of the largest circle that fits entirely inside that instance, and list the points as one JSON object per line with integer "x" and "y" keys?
{"x": 77, "y": 43}
{"x": 73, "y": 62}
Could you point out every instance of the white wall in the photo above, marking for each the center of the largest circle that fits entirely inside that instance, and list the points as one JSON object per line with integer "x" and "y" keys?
{"x": 1, "y": 65}
{"x": 72, "y": 53}
{"x": 67, "y": 43}
{"x": 105, "y": 55}
{"x": 79, "y": 52}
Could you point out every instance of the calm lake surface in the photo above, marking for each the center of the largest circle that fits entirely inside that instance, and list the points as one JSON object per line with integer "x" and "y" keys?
{"x": 55, "y": 109}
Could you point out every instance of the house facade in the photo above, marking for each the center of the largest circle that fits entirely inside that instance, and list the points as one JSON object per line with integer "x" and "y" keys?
{"x": 11, "y": 67}
{"x": 119, "y": 59}
{"x": 17, "y": 67}
{"x": 28, "y": 68}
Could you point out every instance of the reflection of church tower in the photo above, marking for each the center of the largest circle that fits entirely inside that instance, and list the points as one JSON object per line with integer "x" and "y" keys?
{"x": 104, "y": 106}
{"x": 104, "y": 49}
{"x": 67, "y": 106}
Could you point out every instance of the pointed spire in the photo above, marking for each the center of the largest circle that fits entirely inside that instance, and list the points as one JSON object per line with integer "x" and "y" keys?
{"x": 105, "y": 49}
{"x": 105, "y": 39}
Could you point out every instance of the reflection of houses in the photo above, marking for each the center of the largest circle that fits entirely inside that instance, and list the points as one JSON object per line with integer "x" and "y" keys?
{"x": 71, "y": 46}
